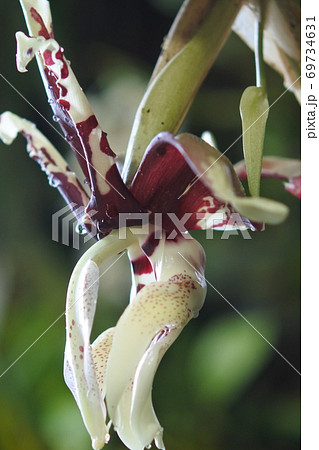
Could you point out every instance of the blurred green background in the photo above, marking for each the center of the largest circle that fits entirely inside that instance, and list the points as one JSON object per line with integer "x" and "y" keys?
{"x": 221, "y": 386}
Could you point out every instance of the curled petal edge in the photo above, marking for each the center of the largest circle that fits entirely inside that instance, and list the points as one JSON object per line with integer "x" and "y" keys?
{"x": 218, "y": 173}
{"x": 81, "y": 359}
{"x": 147, "y": 328}
{"x": 277, "y": 167}
{"x": 47, "y": 156}
{"x": 215, "y": 171}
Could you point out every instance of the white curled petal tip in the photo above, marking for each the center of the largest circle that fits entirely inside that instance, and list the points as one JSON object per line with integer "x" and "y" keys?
{"x": 147, "y": 328}
{"x": 261, "y": 209}
{"x": 10, "y": 125}
{"x": 28, "y": 47}
{"x": 39, "y": 147}
{"x": 218, "y": 174}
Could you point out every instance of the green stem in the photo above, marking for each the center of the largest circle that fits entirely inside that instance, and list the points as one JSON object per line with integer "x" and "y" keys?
{"x": 259, "y": 43}
{"x": 170, "y": 94}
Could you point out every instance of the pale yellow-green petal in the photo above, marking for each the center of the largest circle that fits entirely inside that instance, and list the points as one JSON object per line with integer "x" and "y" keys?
{"x": 144, "y": 332}
{"x": 261, "y": 209}
{"x": 79, "y": 365}
{"x": 101, "y": 348}
{"x": 216, "y": 171}
{"x": 79, "y": 370}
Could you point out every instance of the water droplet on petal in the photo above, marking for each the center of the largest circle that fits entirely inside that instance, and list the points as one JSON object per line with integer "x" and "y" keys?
{"x": 53, "y": 182}
{"x": 80, "y": 229}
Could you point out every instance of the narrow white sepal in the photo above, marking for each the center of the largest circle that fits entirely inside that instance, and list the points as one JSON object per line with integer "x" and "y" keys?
{"x": 28, "y": 47}
{"x": 42, "y": 7}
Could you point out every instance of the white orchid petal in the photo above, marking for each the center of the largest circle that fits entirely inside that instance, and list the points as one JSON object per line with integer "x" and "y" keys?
{"x": 140, "y": 277}
{"x": 28, "y": 47}
{"x": 150, "y": 325}
{"x": 78, "y": 354}
{"x": 80, "y": 366}
{"x": 101, "y": 348}
{"x": 11, "y": 125}
{"x": 47, "y": 156}
{"x": 142, "y": 415}
{"x": 182, "y": 255}
{"x": 75, "y": 116}
{"x": 37, "y": 16}
{"x": 261, "y": 209}
{"x": 144, "y": 424}
{"x": 160, "y": 309}
{"x": 39, "y": 22}
{"x": 277, "y": 167}
{"x": 126, "y": 432}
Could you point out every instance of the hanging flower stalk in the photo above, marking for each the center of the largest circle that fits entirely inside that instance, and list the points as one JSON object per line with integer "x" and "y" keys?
{"x": 254, "y": 108}
{"x": 173, "y": 184}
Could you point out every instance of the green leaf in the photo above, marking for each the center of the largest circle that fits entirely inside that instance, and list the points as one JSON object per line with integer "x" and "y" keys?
{"x": 254, "y": 108}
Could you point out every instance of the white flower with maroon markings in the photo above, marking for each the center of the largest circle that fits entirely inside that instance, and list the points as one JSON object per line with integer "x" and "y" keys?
{"x": 182, "y": 179}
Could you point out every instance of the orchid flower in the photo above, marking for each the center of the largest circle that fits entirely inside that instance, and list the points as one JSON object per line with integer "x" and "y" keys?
{"x": 181, "y": 183}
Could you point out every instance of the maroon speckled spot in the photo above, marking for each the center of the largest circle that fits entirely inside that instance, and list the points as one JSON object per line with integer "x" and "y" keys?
{"x": 69, "y": 191}
{"x": 150, "y": 245}
{"x": 104, "y": 146}
{"x": 43, "y": 30}
{"x": 65, "y": 104}
{"x": 142, "y": 265}
{"x": 63, "y": 90}
{"x": 109, "y": 205}
{"x": 64, "y": 69}
{"x": 65, "y": 121}
{"x": 139, "y": 287}
{"x": 47, "y": 56}
{"x": 84, "y": 128}
{"x": 47, "y": 155}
